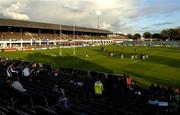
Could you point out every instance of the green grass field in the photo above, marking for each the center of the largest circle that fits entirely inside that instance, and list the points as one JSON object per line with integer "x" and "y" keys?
{"x": 162, "y": 67}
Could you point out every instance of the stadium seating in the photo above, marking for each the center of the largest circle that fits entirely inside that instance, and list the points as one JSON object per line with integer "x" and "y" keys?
{"x": 125, "y": 102}
{"x": 43, "y": 36}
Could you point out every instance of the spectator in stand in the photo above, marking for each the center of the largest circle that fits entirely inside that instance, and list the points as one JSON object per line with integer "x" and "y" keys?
{"x": 60, "y": 95}
{"x": 177, "y": 95}
{"x": 151, "y": 89}
{"x": 129, "y": 81}
{"x": 18, "y": 86}
{"x": 24, "y": 96}
{"x": 56, "y": 73}
{"x": 11, "y": 72}
{"x": 98, "y": 88}
{"x": 26, "y": 71}
{"x": 34, "y": 70}
{"x": 137, "y": 89}
{"x": 106, "y": 85}
{"x": 157, "y": 90}
{"x": 118, "y": 84}
{"x": 124, "y": 82}
{"x": 89, "y": 84}
{"x": 8, "y": 91}
{"x": 175, "y": 104}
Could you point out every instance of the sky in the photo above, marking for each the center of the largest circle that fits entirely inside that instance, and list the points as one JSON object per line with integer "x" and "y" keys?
{"x": 124, "y": 16}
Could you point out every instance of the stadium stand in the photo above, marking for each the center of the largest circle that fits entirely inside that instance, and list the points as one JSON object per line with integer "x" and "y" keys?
{"x": 20, "y": 33}
{"x": 119, "y": 97}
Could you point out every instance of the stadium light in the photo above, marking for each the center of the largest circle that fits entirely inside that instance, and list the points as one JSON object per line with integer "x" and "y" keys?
{"x": 74, "y": 33}
{"x": 98, "y": 13}
{"x": 60, "y": 34}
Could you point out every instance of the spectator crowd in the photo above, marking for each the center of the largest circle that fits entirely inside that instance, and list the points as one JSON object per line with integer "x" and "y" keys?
{"x": 36, "y": 88}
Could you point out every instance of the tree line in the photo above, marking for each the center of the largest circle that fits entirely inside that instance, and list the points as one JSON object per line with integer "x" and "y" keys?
{"x": 170, "y": 34}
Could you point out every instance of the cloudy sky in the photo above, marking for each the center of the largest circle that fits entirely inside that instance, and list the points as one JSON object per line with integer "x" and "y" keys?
{"x": 126, "y": 16}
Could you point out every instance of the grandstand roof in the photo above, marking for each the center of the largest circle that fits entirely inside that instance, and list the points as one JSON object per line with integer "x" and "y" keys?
{"x": 39, "y": 25}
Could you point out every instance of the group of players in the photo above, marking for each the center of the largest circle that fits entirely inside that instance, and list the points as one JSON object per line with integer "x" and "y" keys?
{"x": 133, "y": 56}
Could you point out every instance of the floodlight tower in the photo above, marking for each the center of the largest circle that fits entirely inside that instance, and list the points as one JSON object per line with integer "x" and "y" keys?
{"x": 60, "y": 36}
{"x": 74, "y": 37}
{"x": 98, "y": 13}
